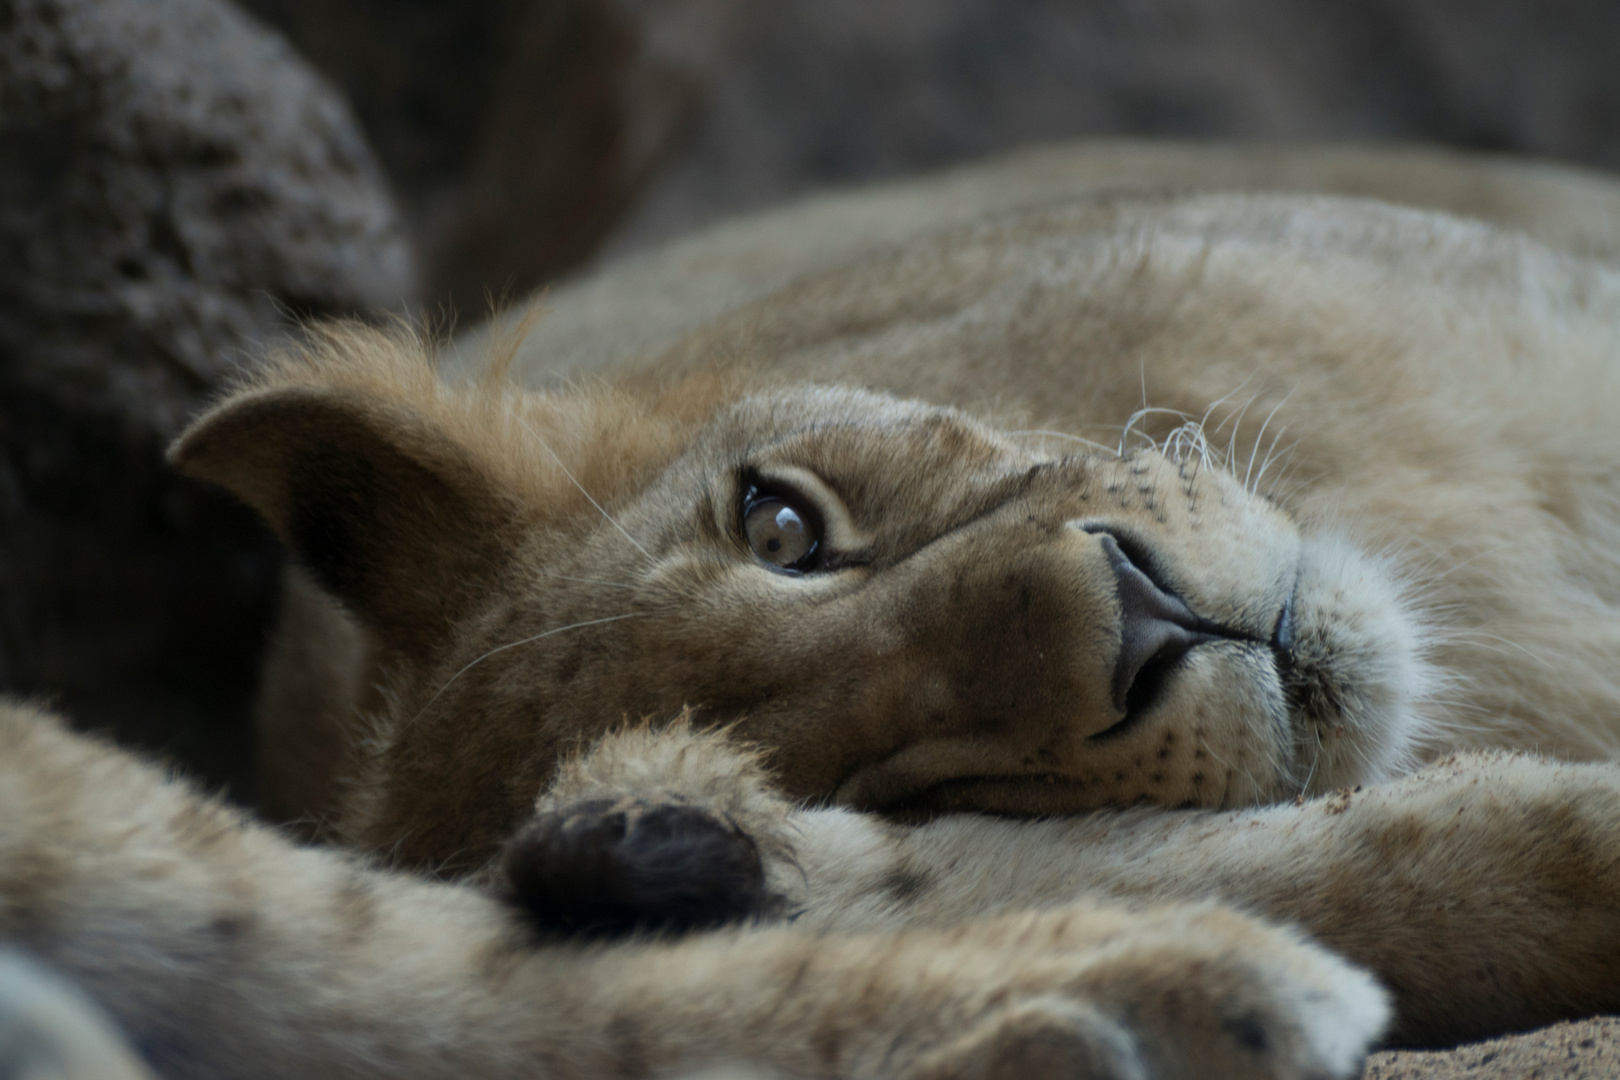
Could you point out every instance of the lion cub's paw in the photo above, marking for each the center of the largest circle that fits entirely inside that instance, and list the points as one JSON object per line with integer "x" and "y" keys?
{"x": 1216, "y": 994}
{"x": 668, "y": 829}
{"x": 604, "y": 867}
{"x": 1172, "y": 994}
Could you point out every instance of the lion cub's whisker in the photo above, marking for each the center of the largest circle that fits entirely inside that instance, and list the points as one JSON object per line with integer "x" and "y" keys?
{"x": 1255, "y": 451}
{"x": 512, "y": 645}
{"x": 591, "y": 581}
{"x": 1316, "y": 759}
{"x": 1145, "y": 411}
{"x": 575, "y": 481}
{"x": 1236, "y": 420}
{"x": 1185, "y": 442}
{"x": 1203, "y": 421}
{"x": 1428, "y": 577}
{"x": 1110, "y": 451}
{"x": 1273, "y": 455}
{"x": 1479, "y": 639}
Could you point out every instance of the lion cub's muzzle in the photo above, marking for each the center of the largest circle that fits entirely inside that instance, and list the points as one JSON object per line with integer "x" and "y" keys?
{"x": 1071, "y": 672}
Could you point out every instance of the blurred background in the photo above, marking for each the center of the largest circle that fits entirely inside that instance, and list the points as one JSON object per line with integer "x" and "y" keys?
{"x": 180, "y": 179}
{"x": 523, "y": 138}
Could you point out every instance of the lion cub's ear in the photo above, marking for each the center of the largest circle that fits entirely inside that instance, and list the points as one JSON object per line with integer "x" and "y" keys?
{"x": 392, "y": 515}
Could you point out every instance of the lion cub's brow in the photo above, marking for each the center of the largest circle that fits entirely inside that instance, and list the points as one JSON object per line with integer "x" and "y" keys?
{"x": 903, "y": 471}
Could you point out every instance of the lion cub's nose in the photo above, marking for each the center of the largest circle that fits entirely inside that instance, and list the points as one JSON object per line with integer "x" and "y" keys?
{"x": 1156, "y": 630}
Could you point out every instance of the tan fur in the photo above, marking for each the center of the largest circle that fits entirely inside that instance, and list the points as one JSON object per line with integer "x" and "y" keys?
{"x": 1392, "y": 424}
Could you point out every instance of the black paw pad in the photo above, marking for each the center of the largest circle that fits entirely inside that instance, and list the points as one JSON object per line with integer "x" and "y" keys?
{"x": 605, "y": 868}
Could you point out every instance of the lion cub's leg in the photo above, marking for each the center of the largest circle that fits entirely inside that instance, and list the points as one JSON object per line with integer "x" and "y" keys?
{"x": 1483, "y": 890}
{"x": 226, "y": 952}
{"x": 672, "y": 828}
{"x": 1167, "y": 992}
{"x": 649, "y": 815}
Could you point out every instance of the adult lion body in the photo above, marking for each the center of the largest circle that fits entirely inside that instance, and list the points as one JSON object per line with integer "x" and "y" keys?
{"x": 1376, "y": 522}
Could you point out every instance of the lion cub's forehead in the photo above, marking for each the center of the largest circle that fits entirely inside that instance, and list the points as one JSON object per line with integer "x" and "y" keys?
{"x": 824, "y": 425}
{"x": 904, "y": 468}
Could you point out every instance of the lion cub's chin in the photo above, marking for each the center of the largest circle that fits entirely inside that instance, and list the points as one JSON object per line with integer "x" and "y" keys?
{"x": 1359, "y": 681}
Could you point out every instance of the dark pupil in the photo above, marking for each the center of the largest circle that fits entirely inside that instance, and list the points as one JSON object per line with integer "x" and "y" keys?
{"x": 779, "y": 533}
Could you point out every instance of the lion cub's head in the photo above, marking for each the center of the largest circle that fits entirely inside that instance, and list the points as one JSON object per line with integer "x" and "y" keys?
{"x": 912, "y": 610}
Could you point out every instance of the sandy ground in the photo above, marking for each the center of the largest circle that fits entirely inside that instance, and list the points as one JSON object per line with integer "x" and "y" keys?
{"x": 1580, "y": 1048}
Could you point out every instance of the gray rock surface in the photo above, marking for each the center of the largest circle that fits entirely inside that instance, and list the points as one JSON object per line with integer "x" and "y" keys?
{"x": 517, "y": 132}
{"x": 174, "y": 182}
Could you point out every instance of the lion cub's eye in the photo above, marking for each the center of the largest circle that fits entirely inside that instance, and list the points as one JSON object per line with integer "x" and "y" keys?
{"x": 782, "y": 530}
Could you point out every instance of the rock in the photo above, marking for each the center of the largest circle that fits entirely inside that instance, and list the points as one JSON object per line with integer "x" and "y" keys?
{"x": 517, "y": 132}
{"x": 174, "y": 183}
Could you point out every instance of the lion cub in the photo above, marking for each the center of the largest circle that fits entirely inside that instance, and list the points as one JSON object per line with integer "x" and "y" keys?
{"x": 1220, "y": 535}
{"x": 993, "y": 652}
{"x": 868, "y": 525}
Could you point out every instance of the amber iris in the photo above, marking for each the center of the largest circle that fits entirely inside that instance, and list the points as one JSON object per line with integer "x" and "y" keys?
{"x": 780, "y": 532}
